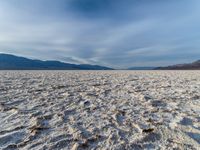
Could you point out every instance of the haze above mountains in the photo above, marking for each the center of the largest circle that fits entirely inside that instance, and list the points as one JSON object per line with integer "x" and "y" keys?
{"x": 12, "y": 62}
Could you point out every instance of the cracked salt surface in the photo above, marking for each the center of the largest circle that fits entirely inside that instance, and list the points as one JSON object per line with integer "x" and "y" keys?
{"x": 99, "y": 110}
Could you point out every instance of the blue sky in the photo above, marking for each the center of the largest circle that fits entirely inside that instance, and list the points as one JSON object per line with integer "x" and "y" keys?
{"x": 115, "y": 33}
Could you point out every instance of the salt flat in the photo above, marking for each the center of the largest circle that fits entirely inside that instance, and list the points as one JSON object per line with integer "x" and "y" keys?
{"x": 100, "y": 110}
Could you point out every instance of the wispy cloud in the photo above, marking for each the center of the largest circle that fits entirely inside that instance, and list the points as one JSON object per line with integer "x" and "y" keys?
{"x": 106, "y": 32}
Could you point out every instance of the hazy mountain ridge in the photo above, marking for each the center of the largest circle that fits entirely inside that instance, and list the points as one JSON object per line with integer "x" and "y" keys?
{"x": 141, "y": 68}
{"x": 190, "y": 66}
{"x": 12, "y": 62}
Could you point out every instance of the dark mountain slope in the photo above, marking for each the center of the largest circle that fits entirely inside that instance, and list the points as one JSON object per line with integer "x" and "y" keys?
{"x": 11, "y": 62}
{"x": 192, "y": 66}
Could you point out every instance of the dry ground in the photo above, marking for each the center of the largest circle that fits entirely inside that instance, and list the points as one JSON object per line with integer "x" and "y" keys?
{"x": 100, "y": 110}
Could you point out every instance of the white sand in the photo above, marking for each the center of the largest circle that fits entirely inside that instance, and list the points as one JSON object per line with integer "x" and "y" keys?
{"x": 100, "y": 110}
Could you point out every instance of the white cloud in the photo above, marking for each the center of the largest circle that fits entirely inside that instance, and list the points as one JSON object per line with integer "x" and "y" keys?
{"x": 140, "y": 36}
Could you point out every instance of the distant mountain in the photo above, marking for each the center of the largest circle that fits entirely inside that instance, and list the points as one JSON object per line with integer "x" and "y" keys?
{"x": 12, "y": 62}
{"x": 141, "y": 68}
{"x": 191, "y": 66}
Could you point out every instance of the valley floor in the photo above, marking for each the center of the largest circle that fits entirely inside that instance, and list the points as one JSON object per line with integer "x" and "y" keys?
{"x": 100, "y": 110}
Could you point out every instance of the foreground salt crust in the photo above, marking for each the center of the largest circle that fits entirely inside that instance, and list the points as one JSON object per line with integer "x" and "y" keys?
{"x": 100, "y": 110}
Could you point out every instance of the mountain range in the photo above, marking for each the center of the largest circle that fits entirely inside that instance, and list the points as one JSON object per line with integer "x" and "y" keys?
{"x": 141, "y": 68}
{"x": 12, "y": 62}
